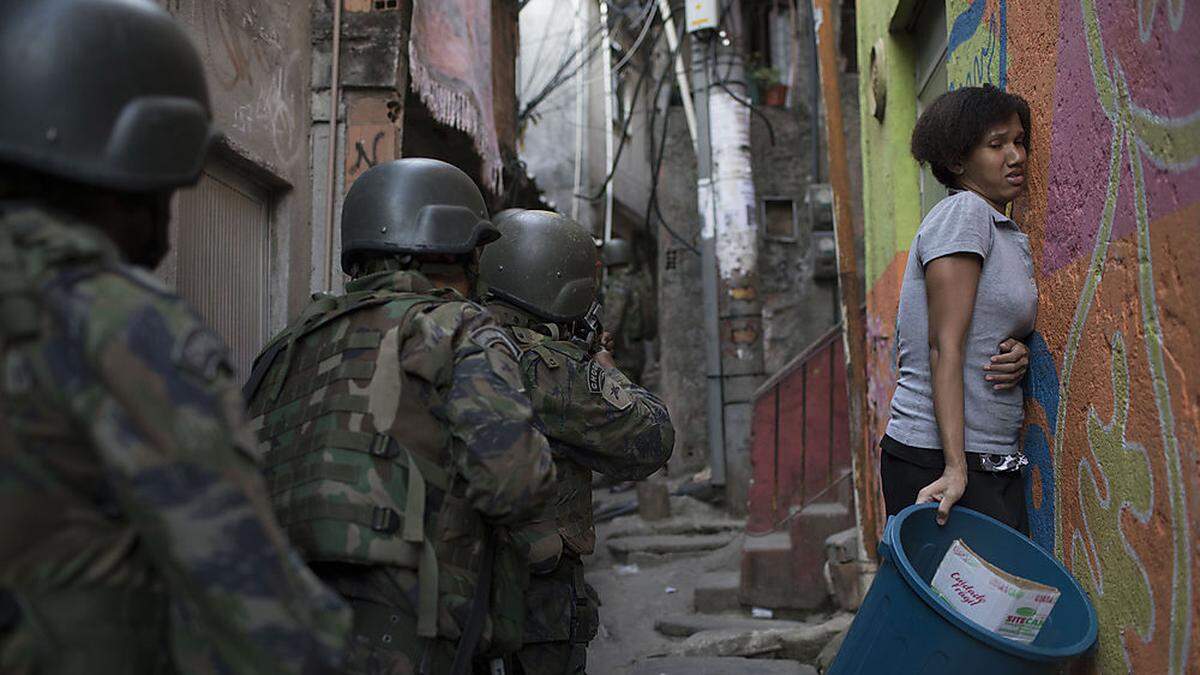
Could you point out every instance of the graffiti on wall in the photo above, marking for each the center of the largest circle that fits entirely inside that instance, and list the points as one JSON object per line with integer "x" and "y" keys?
{"x": 1107, "y": 487}
{"x": 977, "y": 44}
{"x": 1123, "y": 525}
{"x": 251, "y": 65}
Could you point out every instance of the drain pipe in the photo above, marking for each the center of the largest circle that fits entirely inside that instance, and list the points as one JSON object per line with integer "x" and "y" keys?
{"x": 609, "y": 121}
{"x": 331, "y": 182}
{"x": 581, "y": 11}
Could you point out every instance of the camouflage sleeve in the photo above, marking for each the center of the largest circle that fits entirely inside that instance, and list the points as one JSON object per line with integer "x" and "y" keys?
{"x": 597, "y": 417}
{"x": 156, "y": 395}
{"x": 504, "y": 458}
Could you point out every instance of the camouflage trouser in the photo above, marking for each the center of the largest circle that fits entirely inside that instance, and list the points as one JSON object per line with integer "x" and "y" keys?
{"x": 384, "y": 642}
{"x": 562, "y": 618}
{"x": 384, "y": 639}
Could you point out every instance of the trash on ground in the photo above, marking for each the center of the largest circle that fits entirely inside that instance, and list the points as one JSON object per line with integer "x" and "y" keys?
{"x": 761, "y": 613}
{"x": 627, "y": 570}
{"x": 1003, "y": 603}
{"x": 671, "y": 589}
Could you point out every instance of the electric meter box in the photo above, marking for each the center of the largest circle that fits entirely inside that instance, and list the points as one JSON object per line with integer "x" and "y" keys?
{"x": 702, "y": 14}
{"x": 819, "y": 198}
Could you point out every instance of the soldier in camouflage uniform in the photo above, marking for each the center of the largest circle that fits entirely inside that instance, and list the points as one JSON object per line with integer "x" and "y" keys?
{"x": 394, "y": 431}
{"x": 135, "y": 532}
{"x": 540, "y": 281}
{"x": 624, "y": 310}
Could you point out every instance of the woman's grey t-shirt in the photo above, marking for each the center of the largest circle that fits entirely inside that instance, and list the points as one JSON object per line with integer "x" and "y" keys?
{"x": 1005, "y": 306}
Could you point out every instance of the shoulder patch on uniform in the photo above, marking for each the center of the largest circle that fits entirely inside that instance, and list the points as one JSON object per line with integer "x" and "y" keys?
{"x": 202, "y": 353}
{"x": 595, "y": 377}
{"x": 616, "y": 395}
{"x": 494, "y": 336}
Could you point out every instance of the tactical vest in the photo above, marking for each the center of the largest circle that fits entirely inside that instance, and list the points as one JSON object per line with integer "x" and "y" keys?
{"x": 356, "y": 463}
{"x": 573, "y": 502}
{"x": 64, "y": 507}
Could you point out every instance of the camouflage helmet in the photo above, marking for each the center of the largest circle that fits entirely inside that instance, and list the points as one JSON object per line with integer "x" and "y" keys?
{"x": 616, "y": 252}
{"x": 415, "y": 206}
{"x": 109, "y": 93}
{"x": 545, "y": 264}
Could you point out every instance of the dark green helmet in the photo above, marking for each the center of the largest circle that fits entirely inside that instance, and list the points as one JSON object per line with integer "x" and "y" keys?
{"x": 545, "y": 264}
{"x": 616, "y": 252}
{"x": 108, "y": 93}
{"x": 414, "y": 206}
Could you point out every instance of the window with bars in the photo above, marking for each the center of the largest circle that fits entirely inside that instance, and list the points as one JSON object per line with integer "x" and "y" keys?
{"x": 385, "y": 5}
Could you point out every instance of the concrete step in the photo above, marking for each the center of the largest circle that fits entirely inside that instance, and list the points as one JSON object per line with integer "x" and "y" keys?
{"x": 689, "y": 665}
{"x": 830, "y": 651}
{"x": 801, "y": 643}
{"x": 786, "y": 570}
{"x": 766, "y": 576}
{"x": 640, "y": 528}
{"x": 658, "y": 549}
{"x": 717, "y": 592}
{"x": 684, "y": 625}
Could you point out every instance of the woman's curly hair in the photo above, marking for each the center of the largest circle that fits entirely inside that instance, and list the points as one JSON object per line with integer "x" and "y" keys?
{"x": 955, "y": 123}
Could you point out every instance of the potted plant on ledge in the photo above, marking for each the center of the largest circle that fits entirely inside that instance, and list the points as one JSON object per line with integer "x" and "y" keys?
{"x": 767, "y": 82}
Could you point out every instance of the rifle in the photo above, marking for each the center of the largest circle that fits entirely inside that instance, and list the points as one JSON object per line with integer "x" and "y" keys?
{"x": 588, "y": 329}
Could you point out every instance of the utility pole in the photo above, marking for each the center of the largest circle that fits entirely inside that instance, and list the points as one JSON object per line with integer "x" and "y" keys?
{"x": 854, "y": 333}
{"x": 729, "y": 249}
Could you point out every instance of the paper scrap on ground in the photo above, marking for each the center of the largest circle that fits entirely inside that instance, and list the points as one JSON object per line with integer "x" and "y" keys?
{"x": 1003, "y": 603}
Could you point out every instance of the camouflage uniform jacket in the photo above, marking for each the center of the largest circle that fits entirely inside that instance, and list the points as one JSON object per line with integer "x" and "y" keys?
{"x": 624, "y": 316}
{"x": 127, "y": 487}
{"x": 596, "y": 420}
{"x": 397, "y": 374}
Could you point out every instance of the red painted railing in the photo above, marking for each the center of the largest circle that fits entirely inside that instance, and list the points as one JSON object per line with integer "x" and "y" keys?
{"x": 800, "y": 448}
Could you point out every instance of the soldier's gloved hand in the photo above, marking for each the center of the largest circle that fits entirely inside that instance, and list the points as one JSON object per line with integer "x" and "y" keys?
{"x": 605, "y": 358}
{"x": 606, "y": 341}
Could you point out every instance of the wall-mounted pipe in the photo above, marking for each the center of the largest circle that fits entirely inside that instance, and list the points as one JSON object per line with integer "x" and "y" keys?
{"x": 331, "y": 178}
{"x": 609, "y": 121}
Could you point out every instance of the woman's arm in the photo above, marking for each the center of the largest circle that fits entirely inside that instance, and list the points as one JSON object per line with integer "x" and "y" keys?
{"x": 950, "y": 284}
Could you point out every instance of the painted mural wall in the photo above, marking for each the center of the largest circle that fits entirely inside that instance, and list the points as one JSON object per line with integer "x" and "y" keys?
{"x": 1113, "y": 210}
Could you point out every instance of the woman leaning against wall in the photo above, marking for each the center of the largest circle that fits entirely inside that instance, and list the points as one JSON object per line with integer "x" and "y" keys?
{"x": 967, "y": 303}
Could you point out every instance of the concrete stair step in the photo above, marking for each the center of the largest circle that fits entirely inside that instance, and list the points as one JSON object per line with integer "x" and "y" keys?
{"x": 685, "y": 625}
{"x": 657, "y": 549}
{"x": 786, "y": 570}
{"x": 800, "y": 643}
{"x": 688, "y": 665}
{"x": 717, "y": 592}
{"x": 641, "y": 528}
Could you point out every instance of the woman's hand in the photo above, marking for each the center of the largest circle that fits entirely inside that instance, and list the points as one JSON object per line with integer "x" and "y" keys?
{"x": 946, "y": 491}
{"x": 1008, "y": 367}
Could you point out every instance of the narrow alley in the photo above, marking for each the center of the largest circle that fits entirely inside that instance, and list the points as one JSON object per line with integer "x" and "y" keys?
{"x": 622, "y": 337}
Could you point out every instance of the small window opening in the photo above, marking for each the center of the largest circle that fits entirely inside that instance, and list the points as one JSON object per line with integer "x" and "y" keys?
{"x": 779, "y": 218}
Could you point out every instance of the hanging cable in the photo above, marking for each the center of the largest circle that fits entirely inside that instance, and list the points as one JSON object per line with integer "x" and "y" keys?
{"x": 651, "y": 9}
{"x": 652, "y": 204}
{"x": 624, "y": 134}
